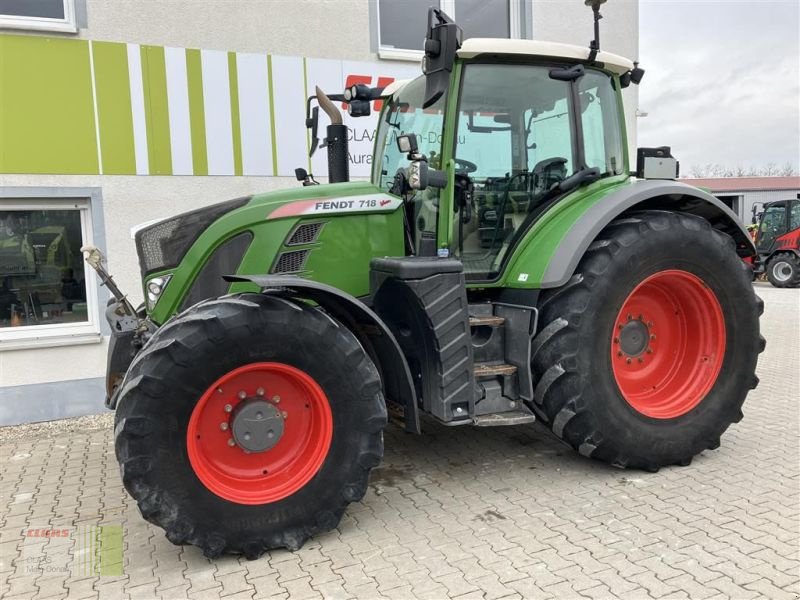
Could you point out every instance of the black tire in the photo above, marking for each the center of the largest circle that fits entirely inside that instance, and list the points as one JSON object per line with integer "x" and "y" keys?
{"x": 185, "y": 357}
{"x": 783, "y": 270}
{"x": 576, "y": 393}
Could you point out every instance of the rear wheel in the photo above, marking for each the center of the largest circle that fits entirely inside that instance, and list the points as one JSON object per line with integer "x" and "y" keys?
{"x": 248, "y": 423}
{"x": 783, "y": 270}
{"x": 645, "y": 356}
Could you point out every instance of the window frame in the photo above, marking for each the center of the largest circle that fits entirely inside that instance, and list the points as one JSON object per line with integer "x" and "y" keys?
{"x": 58, "y": 334}
{"x": 515, "y": 29}
{"x": 68, "y": 24}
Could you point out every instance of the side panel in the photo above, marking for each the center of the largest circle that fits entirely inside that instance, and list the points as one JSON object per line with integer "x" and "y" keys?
{"x": 555, "y": 245}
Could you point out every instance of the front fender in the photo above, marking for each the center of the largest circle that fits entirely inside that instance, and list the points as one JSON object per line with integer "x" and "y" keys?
{"x": 602, "y": 207}
{"x": 367, "y": 326}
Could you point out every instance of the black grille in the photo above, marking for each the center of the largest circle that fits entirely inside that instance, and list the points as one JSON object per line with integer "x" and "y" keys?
{"x": 225, "y": 260}
{"x": 291, "y": 262}
{"x": 163, "y": 245}
{"x": 307, "y": 233}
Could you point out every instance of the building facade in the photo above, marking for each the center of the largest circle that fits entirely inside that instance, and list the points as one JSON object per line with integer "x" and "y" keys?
{"x": 746, "y": 195}
{"x": 118, "y": 113}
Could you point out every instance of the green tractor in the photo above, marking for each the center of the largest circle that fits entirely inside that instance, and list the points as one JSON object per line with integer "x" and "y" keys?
{"x": 502, "y": 265}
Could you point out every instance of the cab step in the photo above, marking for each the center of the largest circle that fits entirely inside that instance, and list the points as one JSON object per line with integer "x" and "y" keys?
{"x": 492, "y": 370}
{"x": 486, "y": 321}
{"x": 512, "y": 417}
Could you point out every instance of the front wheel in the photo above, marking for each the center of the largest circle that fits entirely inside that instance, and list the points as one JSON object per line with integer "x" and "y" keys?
{"x": 783, "y": 270}
{"x": 644, "y": 358}
{"x": 249, "y": 423}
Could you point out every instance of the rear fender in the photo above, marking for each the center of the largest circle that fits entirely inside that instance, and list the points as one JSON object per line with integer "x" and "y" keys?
{"x": 640, "y": 195}
{"x": 367, "y": 326}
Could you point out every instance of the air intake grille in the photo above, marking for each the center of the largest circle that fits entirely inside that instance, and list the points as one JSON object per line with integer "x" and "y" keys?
{"x": 164, "y": 244}
{"x": 291, "y": 262}
{"x": 307, "y": 233}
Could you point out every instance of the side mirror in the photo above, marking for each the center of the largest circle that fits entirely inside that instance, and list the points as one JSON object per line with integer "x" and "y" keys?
{"x": 441, "y": 44}
{"x": 407, "y": 144}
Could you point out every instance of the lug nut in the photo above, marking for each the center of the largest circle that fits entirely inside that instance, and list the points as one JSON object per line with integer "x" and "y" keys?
{"x": 652, "y": 337}
{"x": 242, "y": 395}
{"x": 285, "y": 414}
{"x": 276, "y": 399}
{"x": 223, "y": 426}
{"x": 260, "y": 392}
{"x": 649, "y": 323}
{"x": 619, "y": 353}
{"x": 219, "y": 390}
{"x": 630, "y": 317}
{"x": 649, "y": 350}
{"x": 231, "y": 442}
{"x": 228, "y": 408}
{"x": 641, "y": 360}
{"x": 616, "y": 340}
{"x": 628, "y": 360}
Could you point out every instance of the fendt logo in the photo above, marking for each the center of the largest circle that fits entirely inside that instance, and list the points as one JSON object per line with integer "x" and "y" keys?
{"x": 367, "y": 80}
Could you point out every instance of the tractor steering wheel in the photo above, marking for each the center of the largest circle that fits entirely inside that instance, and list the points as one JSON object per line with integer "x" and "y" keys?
{"x": 465, "y": 166}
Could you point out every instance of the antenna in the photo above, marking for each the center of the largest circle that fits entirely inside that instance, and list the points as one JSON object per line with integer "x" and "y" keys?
{"x": 594, "y": 45}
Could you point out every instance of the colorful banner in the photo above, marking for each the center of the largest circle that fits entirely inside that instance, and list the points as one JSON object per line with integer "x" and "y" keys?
{"x": 91, "y": 107}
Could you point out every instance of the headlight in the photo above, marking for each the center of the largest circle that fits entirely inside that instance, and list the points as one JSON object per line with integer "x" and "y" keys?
{"x": 155, "y": 287}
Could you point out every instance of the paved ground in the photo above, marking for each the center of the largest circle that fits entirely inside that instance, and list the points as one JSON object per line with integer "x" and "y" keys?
{"x": 458, "y": 513}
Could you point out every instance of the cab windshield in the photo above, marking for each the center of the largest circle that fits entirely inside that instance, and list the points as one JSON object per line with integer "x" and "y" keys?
{"x": 405, "y": 116}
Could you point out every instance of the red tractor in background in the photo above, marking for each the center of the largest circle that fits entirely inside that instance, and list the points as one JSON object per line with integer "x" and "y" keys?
{"x": 777, "y": 240}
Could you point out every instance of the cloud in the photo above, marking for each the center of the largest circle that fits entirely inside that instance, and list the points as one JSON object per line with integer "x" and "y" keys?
{"x": 723, "y": 81}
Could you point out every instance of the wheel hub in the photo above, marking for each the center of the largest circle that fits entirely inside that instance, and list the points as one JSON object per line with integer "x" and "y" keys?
{"x": 257, "y": 425}
{"x": 259, "y": 433}
{"x": 668, "y": 344}
{"x": 633, "y": 338}
{"x": 782, "y": 271}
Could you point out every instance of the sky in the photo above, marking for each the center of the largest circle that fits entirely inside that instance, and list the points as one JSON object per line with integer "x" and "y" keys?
{"x": 722, "y": 82}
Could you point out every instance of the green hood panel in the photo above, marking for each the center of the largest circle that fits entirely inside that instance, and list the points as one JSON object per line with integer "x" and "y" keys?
{"x": 359, "y": 222}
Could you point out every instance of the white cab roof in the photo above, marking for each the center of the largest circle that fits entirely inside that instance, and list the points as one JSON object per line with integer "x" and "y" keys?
{"x": 476, "y": 46}
{"x": 394, "y": 87}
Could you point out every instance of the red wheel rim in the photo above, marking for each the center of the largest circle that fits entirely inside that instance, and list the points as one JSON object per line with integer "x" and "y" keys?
{"x": 668, "y": 344}
{"x": 266, "y": 476}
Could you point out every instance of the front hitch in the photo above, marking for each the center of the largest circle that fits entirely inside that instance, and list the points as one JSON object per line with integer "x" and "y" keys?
{"x": 128, "y": 327}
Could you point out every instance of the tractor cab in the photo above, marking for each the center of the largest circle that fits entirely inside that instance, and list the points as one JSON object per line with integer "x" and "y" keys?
{"x": 777, "y": 240}
{"x": 511, "y": 139}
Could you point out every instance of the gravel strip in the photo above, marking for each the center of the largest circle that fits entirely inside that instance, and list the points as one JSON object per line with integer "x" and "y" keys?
{"x": 56, "y": 428}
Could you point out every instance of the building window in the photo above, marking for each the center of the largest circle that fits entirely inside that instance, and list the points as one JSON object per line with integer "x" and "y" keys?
{"x": 48, "y": 15}
{"x": 402, "y": 25}
{"x": 46, "y": 289}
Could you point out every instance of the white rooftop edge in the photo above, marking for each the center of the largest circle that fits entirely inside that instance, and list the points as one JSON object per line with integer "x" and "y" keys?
{"x": 476, "y": 46}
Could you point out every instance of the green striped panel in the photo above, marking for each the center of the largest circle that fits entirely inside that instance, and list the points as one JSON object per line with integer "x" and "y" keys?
{"x": 112, "y": 89}
{"x": 233, "y": 79}
{"x": 47, "y": 113}
{"x": 197, "y": 115}
{"x": 156, "y": 110}
{"x": 272, "y": 116}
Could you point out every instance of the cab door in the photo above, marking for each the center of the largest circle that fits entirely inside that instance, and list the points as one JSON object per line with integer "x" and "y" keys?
{"x": 773, "y": 225}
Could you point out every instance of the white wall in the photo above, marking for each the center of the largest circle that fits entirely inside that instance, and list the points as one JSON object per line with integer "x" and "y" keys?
{"x": 314, "y": 28}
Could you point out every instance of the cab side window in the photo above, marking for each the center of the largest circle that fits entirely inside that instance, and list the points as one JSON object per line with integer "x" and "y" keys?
{"x": 794, "y": 215}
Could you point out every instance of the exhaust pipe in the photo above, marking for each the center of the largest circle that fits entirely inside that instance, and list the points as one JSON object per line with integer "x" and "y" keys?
{"x": 336, "y": 141}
